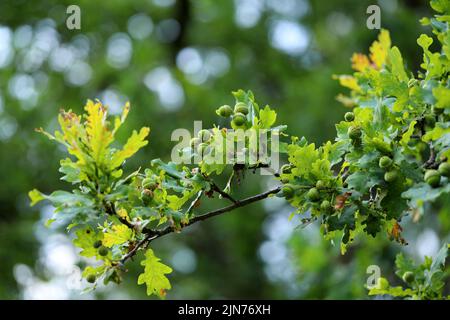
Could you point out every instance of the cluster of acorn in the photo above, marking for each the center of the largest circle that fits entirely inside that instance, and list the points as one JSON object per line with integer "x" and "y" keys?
{"x": 239, "y": 114}
{"x": 313, "y": 195}
{"x": 200, "y": 144}
{"x": 433, "y": 177}
{"x": 354, "y": 132}
{"x": 148, "y": 186}
{"x": 103, "y": 251}
{"x": 391, "y": 173}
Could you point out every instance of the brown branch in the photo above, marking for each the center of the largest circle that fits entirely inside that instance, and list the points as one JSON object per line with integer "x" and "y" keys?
{"x": 154, "y": 234}
{"x": 140, "y": 244}
{"x": 222, "y": 193}
{"x": 264, "y": 166}
{"x": 345, "y": 175}
{"x": 431, "y": 162}
{"x": 111, "y": 210}
{"x": 239, "y": 203}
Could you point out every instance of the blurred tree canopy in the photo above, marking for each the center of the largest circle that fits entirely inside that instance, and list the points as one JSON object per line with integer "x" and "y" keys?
{"x": 176, "y": 61}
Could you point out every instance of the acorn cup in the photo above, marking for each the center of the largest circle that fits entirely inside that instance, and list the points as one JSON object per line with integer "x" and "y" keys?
{"x": 326, "y": 206}
{"x": 103, "y": 251}
{"x": 286, "y": 169}
{"x": 97, "y": 244}
{"x": 204, "y": 135}
{"x": 225, "y": 111}
{"x": 313, "y": 195}
{"x": 432, "y": 177}
{"x": 349, "y": 116}
{"x": 239, "y": 119}
{"x": 288, "y": 191}
{"x": 391, "y": 176}
{"x": 385, "y": 162}
{"x": 241, "y": 107}
{"x": 320, "y": 185}
{"x": 147, "y": 196}
{"x": 444, "y": 169}
{"x": 354, "y": 132}
{"x": 91, "y": 278}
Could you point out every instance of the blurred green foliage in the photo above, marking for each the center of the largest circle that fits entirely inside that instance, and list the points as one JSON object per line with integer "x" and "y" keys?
{"x": 176, "y": 61}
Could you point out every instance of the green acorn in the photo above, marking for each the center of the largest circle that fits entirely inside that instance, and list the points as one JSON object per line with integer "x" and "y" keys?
{"x": 241, "y": 107}
{"x": 320, "y": 184}
{"x": 444, "y": 169}
{"x": 287, "y": 168}
{"x": 147, "y": 195}
{"x": 146, "y": 182}
{"x": 91, "y": 278}
{"x": 391, "y": 175}
{"x": 239, "y": 119}
{"x": 408, "y": 277}
{"x": 430, "y": 120}
{"x": 225, "y": 111}
{"x": 195, "y": 142}
{"x": 354, "y": 133}
{"x": 288, "y": 191}
{"x": 149, "y": 183}
{"x": 325, "y": 206}
{"x": 385, "y": 162}
{"x": 313, "y": 195}
{"x": 203, "y": 149}
{"x": 103, "y": 251}
{"x": 349, "y": 116}
{"x": 204, "y": 135}
{"x": 382, "y": 283}
{"x": 97, "y": 244}
{"x": 432, "y": 177}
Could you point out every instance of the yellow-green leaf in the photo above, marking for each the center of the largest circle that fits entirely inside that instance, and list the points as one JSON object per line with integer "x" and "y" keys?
{"x": 442, "y": 96}
{"x": 396, "y": 61}
{"x": 407, "y": 135}
{"x": 117, "y": 235}
{"x": 35, "y": 196}
{"x": 98, "y": 135}
{"x": 435, "y": 133}
{"x": 380, "y": 48}
{"x": 154, "y": 275}
{"x": 86, "y": 237}
{"x": 267, "y": 117}
{"x": 134, "y": 143}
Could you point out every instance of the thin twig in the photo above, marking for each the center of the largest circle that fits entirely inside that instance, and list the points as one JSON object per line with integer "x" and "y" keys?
{"x": 194, "y": 202}
{"x": 216, "y": 188}
{"x": 432, "y": 159}
{"x": 265, "y": 166}
{"x": 216, "y": 212}
{"x": 154, "y": 234}
{"x": 240, "y": 203}
{"x": 140, "y": 244}
{"x": 111, "y": 210}
{"x": 222, "y": 193}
